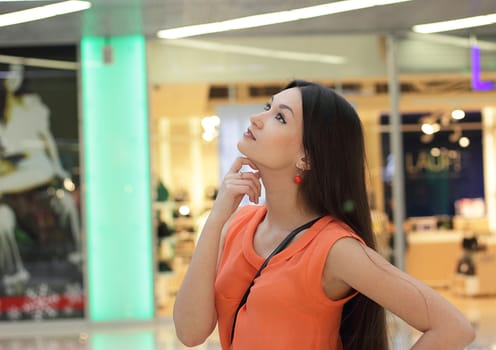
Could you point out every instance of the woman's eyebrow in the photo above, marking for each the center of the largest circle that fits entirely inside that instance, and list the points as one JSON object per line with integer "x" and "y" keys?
{"x": 283, "y": 106}
{"x": 286, "y": 107}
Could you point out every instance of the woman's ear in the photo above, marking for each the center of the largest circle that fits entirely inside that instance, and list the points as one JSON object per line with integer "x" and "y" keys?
{"x": 303, "y": 164}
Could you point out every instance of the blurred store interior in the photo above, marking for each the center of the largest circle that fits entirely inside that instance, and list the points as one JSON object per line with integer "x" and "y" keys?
{"x": 144, "y": 125}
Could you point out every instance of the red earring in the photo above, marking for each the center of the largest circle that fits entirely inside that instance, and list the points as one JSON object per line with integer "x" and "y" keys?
{"x": 297, "y": 179}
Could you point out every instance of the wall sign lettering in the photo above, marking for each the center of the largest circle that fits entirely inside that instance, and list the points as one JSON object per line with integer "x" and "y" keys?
{"x": 477, "y": 84}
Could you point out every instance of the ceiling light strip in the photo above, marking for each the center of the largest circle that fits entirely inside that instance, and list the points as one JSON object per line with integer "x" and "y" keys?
{"x": 273, "y": 18}
{"x": 452, "y": 40}
{"x": 42, "y": 12}
{"x": 462, "y": 23}
{"x": 39, "y": 62}
{"x": 258, "y": 52}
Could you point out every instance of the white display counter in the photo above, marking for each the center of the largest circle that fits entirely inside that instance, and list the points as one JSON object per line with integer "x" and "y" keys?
{"x": 432, "y": 256}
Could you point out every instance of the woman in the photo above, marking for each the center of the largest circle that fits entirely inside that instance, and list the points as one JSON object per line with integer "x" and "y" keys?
{"x": 328, "y": 288}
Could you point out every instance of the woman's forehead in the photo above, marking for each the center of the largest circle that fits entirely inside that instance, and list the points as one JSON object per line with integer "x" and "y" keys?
{"x": 290, "y": 97}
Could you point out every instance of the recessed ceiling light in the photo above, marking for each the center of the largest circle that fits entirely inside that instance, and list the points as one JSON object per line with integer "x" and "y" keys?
{"x": 453, "y": 40}
{"x": 39, "y": 62}
{"x": 257, "y": 51}
{"x": 273, "y": 18}
{"x": 462, "y": 23}
{"x": 41, "y": 12}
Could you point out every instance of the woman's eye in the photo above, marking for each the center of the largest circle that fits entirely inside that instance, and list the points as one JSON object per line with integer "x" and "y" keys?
{"x": 280, "y": 118}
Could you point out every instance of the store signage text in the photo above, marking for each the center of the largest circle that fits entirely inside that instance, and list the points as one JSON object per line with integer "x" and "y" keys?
{"x": 477, "y": 84}
{"x": 447, "y": 160}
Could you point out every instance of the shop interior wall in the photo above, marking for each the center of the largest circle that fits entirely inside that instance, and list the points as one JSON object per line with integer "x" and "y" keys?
{"x": 194, "y": 78}
{"x": 180, "y": 83}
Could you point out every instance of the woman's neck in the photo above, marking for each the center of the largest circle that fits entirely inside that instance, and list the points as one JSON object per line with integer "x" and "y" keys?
{"x": 285, "y": 207}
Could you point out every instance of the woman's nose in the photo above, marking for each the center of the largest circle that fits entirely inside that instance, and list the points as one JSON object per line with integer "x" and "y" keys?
{"x": 256, "y": 119}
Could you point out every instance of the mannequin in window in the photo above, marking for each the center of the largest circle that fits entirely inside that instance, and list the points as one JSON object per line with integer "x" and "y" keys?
{"x": 29, "y": 164}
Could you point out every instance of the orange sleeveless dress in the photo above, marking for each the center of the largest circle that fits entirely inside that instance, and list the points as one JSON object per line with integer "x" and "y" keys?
{"x": 287, "y": 308}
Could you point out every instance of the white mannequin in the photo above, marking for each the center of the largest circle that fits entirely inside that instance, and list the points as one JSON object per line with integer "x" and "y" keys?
{"x": 25, "y": 133}
{"x": 10, "y": 259}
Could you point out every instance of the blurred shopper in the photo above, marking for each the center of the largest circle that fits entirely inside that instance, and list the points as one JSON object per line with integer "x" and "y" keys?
{"x": 328, "y": 288}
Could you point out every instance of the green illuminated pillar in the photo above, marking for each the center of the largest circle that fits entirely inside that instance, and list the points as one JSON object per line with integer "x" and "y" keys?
{"x": 117, "y": 178}
{"x": 123, "y": 340}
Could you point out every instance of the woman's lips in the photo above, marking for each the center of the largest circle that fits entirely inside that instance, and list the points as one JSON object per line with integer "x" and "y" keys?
{"x": 249, "y": 134}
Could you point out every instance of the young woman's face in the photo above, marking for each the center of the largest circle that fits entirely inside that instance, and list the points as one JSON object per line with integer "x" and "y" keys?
{"x": 274, "y": 138}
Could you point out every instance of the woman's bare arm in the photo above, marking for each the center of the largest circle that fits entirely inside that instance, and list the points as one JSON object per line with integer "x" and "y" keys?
{"x": 361, "y": 268}
{"x": 194, "y": 315}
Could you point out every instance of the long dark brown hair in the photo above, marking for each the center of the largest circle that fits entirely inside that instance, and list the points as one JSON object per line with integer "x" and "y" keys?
{"x": 335, "y": 185}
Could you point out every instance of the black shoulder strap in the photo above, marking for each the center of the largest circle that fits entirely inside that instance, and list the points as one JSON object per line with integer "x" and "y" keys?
{"x": 278, "y": 249}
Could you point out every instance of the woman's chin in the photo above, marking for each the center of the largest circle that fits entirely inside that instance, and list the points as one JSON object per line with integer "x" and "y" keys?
{"x": 241, "y": 147}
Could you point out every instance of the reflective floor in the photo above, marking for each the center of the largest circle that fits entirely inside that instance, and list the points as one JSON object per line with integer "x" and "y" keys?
{"x": 159, "y": 335}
